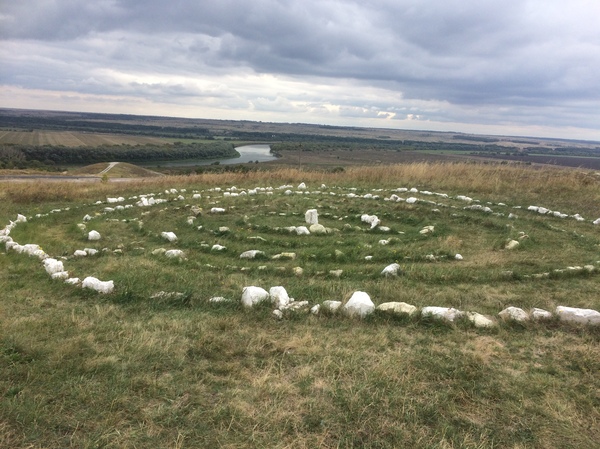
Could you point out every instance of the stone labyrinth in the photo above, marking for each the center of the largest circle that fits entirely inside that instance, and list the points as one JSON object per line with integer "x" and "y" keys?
{"x": 219, "y": 242}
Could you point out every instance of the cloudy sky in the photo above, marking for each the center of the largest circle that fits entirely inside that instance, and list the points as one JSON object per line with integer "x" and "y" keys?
{"x": 519, "y": 67}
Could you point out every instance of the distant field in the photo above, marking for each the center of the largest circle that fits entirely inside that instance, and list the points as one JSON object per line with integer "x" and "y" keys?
{"x": 75, "y": 138}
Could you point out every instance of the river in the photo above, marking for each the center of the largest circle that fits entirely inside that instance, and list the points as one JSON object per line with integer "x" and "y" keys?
{"x": 248, "y": 153}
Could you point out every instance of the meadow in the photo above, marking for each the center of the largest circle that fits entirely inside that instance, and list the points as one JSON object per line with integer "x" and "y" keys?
{"x": 155, "y": 363}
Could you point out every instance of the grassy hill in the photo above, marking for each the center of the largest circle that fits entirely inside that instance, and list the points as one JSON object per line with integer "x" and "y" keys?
{"x": 156, "y": 364}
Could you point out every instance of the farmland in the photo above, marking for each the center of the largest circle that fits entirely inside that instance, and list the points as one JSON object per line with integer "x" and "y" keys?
{"x": 296, "y": 144}
{"x": 155, "y": 363}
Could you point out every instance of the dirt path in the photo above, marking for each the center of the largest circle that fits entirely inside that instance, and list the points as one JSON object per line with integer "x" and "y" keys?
{"x": 107, "y": 169}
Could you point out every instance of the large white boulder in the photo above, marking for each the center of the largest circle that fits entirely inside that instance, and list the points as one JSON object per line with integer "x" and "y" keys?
{"x": 279, "y": 297}
{"x": 311, "y": 217}
{"x": 514, "y": 314}
{"x": 575, "y": 315}
{"x": 391, "y": 270}
{"x": 359, "y": 304}
{"x": 99, "y": 286}
{"x": 397, "y": 308}
{"x": 443, "y": 313}
{"x": 254, "y": 295}
{"x": 94, "y": 235}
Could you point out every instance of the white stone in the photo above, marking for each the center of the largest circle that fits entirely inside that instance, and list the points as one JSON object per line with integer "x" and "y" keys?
{"x": 279, "y": 297}
{"x": 278, "y": 314}
{"x": 53, "y": 266}
{"x": 298, "y": 271}
{"x": 411, "y": 200}
{"x": 332, "y": 306}
{"x": 336, "y": 273}
{"x": 575, "y": 315}
{"x": 397, "y": 307}
{"x": 61, "y": 275}
{"x": 444, "y": 313}
{"x": 302, "y": 230}
{"x": 251, "y": 254}
{"x": 596, "y": 222}
{"x": 514, "y": 314}
{"x": 370, "y": 219}
{"x": 218, "y": 247}
{"x": 311, "y": 217}
{"x": 174, "y": 254}
{"x": 217, "y": 210}
{"x": 391, "y": 270}
{"x": 427, "y": 230}
{"x": 458, "y": 257}
{"x": 289, "y": 256}
{"x": 170, "y": 236}
{"x": 80, "y": 253}
{"x": 254, "y": 295}
{"x": 94, "y": 235}
{"x": 72, "y": 281}
{"x": 540, "y": 314}
{"x": 480, "y": 320}
{"x": 99, "y": 286}
{"x": 359, "y": 304}
{"x": 512, "y": 244}
{"x": 21, "y": 219}
{"x": 301, "y": 186}
{"x": 317, "y": 229}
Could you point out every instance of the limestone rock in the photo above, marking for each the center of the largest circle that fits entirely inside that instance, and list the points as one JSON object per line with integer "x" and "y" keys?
{"x": 575, "y": 315}
{"x": 254, "y": 295}
{"x": 317, "y": 229}
{"x": 94, "y": 235}
{"x": 359, "y": 304}
{"x": 444, "y": 313}
{"x": 170, "y": 236}
{"x": 100, "y": 286}
{"x": 332, "y": 306}
{"x": 540, "y": 314}
{"x": 251, "y": 254}
{"x": 174, "y": 254}
{"x": 391, "y": 270}
{"x": 311, "y": 217}
{"x": 480, "y": 320}
{"x": 514, "y": 314}
{"x": 279, "y": 297}
{"x": 397, "y": 308}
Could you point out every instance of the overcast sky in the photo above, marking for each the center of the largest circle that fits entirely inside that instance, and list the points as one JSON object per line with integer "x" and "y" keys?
{"x": 518, "y": 67}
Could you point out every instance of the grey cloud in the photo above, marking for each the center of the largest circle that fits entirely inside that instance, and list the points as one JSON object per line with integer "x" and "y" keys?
{"x": 540, "y": 55}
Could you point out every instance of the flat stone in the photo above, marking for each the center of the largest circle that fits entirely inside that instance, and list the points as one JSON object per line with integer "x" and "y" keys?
{"x": 398, "y": 308}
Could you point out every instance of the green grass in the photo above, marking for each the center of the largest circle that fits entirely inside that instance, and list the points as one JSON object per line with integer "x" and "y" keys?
{"x": 79, "y": 369}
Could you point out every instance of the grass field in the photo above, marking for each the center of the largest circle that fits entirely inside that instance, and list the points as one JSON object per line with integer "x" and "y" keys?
{"x": 137, "y": 368}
